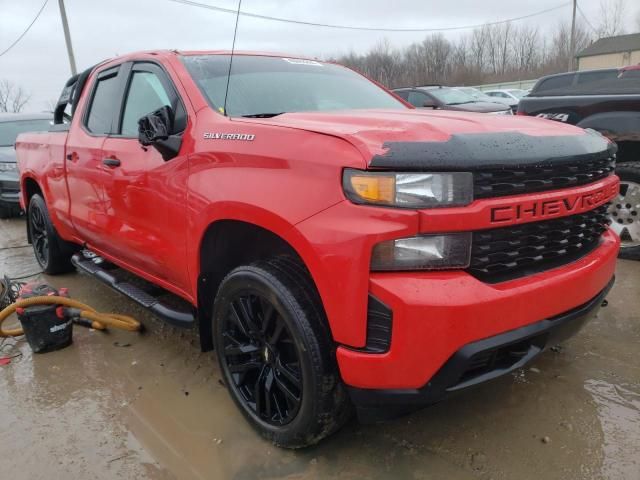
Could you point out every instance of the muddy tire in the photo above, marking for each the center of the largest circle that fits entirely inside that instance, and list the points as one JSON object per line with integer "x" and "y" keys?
{"x": 52, "y": 252}
{"x": 276, "y": 355}
{"x": 625, "y": 210}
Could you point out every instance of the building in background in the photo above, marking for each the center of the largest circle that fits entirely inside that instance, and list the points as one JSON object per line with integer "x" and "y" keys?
{"x": 611, "y": 52}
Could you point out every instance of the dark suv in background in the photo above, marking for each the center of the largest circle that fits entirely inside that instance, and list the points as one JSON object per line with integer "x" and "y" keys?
{"x": 11, "y": 124}
{"x": 448, "y": 98}
{"x": 606, "y": 100}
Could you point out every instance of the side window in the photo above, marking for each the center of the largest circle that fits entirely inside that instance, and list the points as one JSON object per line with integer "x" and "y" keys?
{"x": 417, "y": 99}
{"x": 103, "y": 104}
{"x": 593, "y": 77}
{"x": 403, "y": 94}
{"x": 553, "y": 83}
{"x": 146, "y": 94}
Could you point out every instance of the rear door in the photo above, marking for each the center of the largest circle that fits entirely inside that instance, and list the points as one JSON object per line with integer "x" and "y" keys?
{"x": 145, "y": 196}
{"x": 83, "y": 156}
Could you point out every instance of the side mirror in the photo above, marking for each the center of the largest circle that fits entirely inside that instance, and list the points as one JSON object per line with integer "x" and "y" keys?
{"x": 155, "y": 129}
{"x": 430, "y": 104}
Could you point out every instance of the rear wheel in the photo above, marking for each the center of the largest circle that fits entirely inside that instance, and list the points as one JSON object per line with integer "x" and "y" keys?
{"x": 625, "y": 210}
{"x": 52, "y": 252}
{"x": 275, "y": 354}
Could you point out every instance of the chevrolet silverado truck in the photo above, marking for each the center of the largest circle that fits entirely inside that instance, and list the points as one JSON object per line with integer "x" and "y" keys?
{"x": 606, "y": 100}
{"x": 336, "y": 246}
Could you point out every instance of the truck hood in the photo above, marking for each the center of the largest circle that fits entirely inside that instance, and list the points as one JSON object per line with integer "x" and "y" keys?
{"x": 417, "y": 139}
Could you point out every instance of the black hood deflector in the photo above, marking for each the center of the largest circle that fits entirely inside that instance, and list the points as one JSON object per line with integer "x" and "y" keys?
{"x": 480, "y": 151}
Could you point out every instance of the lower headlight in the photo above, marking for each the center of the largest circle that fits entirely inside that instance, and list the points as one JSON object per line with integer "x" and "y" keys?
{"x": 424, "y": 252}
{"x": 8, "y": 167}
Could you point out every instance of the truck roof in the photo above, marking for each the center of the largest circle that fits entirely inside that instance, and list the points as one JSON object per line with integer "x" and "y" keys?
{"x": 169, "y": 52}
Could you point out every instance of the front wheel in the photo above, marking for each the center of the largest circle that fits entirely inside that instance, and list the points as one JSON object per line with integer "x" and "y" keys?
{"x": 276, "y": 356}
{"x": 625, "y": 210}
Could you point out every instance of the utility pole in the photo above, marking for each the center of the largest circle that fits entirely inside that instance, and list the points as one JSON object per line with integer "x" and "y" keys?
{"x": 572, "y": 48}
{"x": 67, "y": 37}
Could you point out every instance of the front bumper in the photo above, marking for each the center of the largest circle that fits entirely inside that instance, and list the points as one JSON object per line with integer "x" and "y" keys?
{"x": 436, "y": 314}
{"x": 9, "y": 189}
{"x": 480, "y": 361}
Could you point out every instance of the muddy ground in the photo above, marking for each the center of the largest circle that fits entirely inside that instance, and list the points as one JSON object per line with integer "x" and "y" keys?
{"x": 156, "y": 409}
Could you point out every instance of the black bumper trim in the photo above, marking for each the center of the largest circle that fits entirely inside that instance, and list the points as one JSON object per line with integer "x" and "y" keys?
{"x": 508, "y": 351}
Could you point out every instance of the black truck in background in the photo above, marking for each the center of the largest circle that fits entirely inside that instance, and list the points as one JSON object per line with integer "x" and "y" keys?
{"x": 608, "y": 101}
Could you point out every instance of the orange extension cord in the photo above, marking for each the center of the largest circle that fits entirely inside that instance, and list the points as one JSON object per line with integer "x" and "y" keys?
{"x": 99, "y": 321}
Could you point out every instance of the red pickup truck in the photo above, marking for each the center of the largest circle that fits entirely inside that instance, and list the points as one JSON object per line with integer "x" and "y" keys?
{"x": 337, "y": 246}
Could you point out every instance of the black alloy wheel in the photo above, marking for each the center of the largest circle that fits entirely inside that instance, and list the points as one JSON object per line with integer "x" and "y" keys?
{"x": 276, "y": 354}
{"x": 39, "y": 235}
{"x": 52, "y": 252}
{"x": 262, "y": 358}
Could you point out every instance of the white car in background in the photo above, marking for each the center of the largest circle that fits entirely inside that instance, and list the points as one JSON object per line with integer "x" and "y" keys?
{"x": 479, "y": 95}
{"x": 509, "y": 96}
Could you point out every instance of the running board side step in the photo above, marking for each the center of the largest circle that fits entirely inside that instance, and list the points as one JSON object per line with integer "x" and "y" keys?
{"x": 87, "y": 265}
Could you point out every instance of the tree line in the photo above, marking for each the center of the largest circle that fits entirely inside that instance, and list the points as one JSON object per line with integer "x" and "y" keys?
{"x": 491, "y": 53}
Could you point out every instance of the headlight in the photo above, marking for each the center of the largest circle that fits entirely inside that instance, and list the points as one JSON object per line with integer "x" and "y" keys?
{"x": 408, "y": 190}
{"x": 426, "y": 252}
{"x": 8, "y": 167}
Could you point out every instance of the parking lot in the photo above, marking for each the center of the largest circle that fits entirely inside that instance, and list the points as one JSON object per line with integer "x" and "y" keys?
{"x": 123, "y": 405}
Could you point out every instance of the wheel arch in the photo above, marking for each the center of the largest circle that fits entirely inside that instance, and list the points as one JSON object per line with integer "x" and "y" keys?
{"x": 228, "y": 243}
{"x": 30, "y": 187}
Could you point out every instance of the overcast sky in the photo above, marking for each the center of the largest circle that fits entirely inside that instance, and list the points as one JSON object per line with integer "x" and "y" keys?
{"x": 102, "y": 29}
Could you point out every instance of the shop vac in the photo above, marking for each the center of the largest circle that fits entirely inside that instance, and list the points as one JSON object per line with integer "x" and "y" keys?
{"x": 47, "y": 315}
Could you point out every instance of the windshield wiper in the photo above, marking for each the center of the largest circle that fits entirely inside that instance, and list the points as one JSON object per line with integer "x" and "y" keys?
{"x": 263, "y": 115}
{"x": 461, "y": 103}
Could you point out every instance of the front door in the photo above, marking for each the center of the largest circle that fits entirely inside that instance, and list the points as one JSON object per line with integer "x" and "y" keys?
{"x": 145, "y": 196}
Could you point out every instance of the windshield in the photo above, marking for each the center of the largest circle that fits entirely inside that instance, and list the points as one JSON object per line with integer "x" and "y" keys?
{"x": 9, "y": 130}
{"x": 451, "y": 96}
{"x": 267, "y": 86}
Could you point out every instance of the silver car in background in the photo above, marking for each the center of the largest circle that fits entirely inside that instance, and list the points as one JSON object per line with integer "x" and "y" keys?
{"x": 12, "y": 124}
{"x": 507, "y": 96}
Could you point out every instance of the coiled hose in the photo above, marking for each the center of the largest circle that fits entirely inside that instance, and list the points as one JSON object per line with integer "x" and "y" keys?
{"x": 99, "y": 321}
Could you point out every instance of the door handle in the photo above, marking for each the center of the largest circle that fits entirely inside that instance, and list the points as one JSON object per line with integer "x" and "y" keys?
{"x": 111, "y": 162}
{"x": 72, "y": 157}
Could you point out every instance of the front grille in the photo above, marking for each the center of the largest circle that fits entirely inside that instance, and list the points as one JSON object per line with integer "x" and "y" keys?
{"x": 515, "y": 181}
{"x": 505, "y": 253}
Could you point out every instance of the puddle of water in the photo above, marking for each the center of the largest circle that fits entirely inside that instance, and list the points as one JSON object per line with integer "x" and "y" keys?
{"x": 619, "y": 414}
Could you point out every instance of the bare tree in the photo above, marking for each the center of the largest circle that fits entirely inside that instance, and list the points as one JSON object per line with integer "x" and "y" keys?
{"x": 612, "y": 18}
{"x": 491, "y": 53}
{"x": 524, "y": 45}
{"x": 12, "y": 98}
